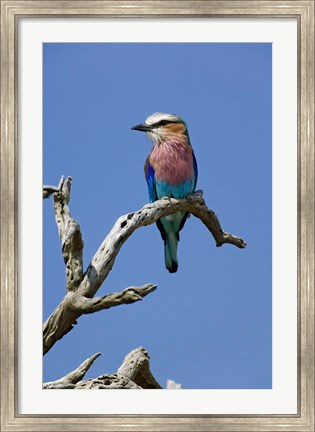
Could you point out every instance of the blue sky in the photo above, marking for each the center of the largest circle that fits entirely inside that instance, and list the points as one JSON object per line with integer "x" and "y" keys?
{"x": 208, "y": 325}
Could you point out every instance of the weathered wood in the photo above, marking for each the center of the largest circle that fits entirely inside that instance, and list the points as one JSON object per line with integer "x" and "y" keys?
{"x": 81, "y": 288}
{"x": 65, "y": 316}
{"x": 49, "y": 190}
{"x": 72, "y": 378}
{"x": 127, "y": 296}
{"x": 136, "y": 367}
{"x": 134, "y": 373}
{"x": 103, "y": 260}
{"x": 69, "y": 234}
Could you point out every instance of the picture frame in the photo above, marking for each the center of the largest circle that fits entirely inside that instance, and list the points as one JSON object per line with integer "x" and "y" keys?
{"x": 11, "y": 12}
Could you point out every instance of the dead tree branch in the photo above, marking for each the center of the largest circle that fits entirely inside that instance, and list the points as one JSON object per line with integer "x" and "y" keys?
{"x": 129, "y": 295}
{"x": 48, "y": 191}
{"x": 72, "y": 378}
{"x": 134, "y": 373}
{"x": 104, "y": 259}
{"x": 65, "y": 316}
{"x": 81, "y": 288}
{"x": 69, "y": 234}
{"x": 136, "y": 367}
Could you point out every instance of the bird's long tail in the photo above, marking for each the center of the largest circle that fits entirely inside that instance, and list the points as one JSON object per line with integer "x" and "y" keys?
{"x": 170, "y": 251}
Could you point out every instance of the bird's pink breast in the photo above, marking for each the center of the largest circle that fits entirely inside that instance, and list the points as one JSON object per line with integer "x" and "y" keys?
{"x": 172, "y": 162}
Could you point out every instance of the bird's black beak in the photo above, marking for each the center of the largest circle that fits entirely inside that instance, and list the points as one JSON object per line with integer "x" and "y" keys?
{"x": 142, "y": 127}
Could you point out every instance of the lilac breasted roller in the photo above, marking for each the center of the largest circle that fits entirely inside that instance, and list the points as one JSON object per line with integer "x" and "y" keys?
{"x": 170, "y": 171}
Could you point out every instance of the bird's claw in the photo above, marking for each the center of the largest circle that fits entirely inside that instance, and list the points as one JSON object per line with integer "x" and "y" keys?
{"x": 168, "y": 198}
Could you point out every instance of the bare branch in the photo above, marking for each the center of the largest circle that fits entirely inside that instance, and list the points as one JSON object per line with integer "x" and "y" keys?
{"x": 81, "y": 288}
{"x": 104, "y": 259}
{"x": 73, "y": 377}
{"x": 107, "y": 382}
{"x": 49, "y": 190}
{"x": 134, "y": 373}
{"x": 136, "y": 367}
{"x": 70, "y": 235}
{"x": 129, "y": 295}
{"x": 197, "y": 206}
{"x": 65, "y": 316}
{"x": 60, "y": 322}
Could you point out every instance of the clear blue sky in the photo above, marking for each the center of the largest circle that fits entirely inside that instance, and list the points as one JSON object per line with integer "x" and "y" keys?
{"x": 208, "y": 325}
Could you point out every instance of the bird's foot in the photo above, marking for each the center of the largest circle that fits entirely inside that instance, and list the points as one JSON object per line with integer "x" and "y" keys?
{"x": 168, "y": 198}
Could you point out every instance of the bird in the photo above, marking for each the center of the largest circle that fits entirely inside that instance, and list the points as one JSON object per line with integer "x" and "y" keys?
{"x": 170, "y": 171}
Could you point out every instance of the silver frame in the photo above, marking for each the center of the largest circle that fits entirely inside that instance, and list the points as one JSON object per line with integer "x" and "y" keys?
{"x": 11, "y": 11}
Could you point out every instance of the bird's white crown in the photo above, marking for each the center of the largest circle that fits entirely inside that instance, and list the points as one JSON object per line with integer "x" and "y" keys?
{"x": 157, "y": 117}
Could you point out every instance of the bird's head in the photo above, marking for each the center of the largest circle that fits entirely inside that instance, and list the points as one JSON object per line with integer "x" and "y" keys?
{"x": 160, "y": 127}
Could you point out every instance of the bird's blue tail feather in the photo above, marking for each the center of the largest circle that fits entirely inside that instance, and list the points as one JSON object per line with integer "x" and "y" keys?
{"x": 170, "y": 251}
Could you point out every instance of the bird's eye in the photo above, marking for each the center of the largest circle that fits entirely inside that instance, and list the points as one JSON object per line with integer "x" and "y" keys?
{"x": 163, "y": 122}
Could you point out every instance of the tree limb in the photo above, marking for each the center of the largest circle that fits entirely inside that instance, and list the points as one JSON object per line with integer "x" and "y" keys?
{"x": 69, "y": 234}
{"x": 107, "y": 382}
{"x": 129, "y": 295}
{"x": 136, "y": 367}
{"x": 81, "y": 288}
{"x": 134, "y": 373}
{"x": 65, "y": 316}
{"x": 72, "y": 378}
{"x": 49, "y": 190}
{"x": 103, "y": 260}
